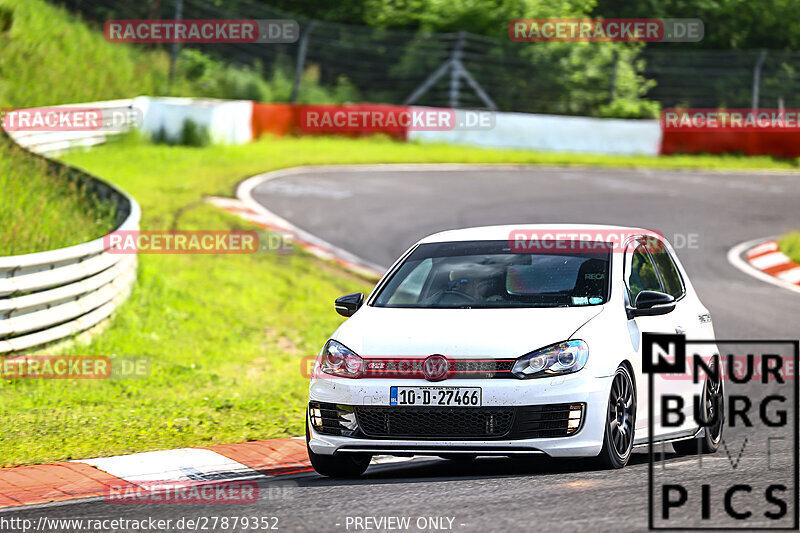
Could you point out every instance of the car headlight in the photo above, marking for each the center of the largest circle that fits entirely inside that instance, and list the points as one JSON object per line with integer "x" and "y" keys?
{"x": 561, "y": 358}
{"x": 339, "y": 360}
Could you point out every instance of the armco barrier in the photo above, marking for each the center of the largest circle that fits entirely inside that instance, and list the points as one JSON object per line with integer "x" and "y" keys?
{"x": 48, "y": 143}
{"x": 52, "y": 295}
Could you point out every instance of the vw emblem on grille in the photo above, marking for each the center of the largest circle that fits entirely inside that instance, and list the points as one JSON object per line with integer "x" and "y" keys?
{"x": 435, "y": 368}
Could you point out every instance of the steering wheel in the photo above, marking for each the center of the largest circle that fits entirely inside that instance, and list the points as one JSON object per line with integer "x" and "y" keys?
{"x": 458, "y": 294}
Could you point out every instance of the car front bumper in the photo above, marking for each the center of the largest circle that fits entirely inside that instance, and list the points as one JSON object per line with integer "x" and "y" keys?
{"x": 591, "y": 391}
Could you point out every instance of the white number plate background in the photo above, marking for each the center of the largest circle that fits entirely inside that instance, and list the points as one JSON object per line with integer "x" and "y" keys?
{"x": 445, "y": 396}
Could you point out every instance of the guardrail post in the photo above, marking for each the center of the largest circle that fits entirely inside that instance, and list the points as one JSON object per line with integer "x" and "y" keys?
{"x": 757, "y": 78}
{"x": 300, "y": 64}
{"x": 175, "y": 46}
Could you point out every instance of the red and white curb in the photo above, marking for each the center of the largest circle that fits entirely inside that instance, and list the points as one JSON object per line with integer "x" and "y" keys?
{"x": 246, "y": 207}
{"x": 762, "y": 259}
{"x": 109, "y": 476}
{"x": 305, "y": 240}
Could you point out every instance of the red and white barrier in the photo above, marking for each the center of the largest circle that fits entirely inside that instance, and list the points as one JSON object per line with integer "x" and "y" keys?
{"x": 240, "y": 121}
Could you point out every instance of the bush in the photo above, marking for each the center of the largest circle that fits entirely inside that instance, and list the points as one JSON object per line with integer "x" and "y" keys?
{"x": 6, "y": 19}
{"x": 630, "y": 108}
{"x": 192, "y": 134}
{"x": 215, "y": 79}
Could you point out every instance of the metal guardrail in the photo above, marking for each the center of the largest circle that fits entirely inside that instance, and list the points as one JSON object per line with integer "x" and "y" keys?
{"x": 53, "y": 295}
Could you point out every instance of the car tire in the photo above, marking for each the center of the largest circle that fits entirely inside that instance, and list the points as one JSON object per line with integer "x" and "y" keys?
{"x": 620, "y": 421}
{"x": 713, "y": 397}
{"x": 343, "y": 466}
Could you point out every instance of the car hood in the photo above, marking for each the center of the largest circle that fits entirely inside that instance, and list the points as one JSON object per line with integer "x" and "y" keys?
{"x": 380, "y": 331}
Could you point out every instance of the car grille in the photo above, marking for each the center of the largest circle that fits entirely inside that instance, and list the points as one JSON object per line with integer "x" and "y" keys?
{"x": 468, "y": 366}
{"x": 412, "y": 368}
{"x": 435, "y": 422}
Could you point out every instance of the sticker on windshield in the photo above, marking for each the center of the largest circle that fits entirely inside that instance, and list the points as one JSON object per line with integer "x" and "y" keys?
{"x": 594, "y": 300}
{"x": 580, "y": 300}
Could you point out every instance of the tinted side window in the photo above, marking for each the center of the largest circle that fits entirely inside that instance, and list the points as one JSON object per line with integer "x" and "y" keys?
{"x": 669, "y": 273}
{"x": 642, "y": 276}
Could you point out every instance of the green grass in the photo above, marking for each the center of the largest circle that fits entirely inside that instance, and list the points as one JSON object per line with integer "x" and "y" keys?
{"x": 790, "y": 245}
{"x": 42, "y": 210}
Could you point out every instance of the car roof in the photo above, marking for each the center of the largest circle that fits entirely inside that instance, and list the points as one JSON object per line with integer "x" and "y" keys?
{"x": 597, "y": 232}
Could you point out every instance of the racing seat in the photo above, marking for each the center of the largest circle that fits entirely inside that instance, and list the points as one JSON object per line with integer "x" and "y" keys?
{"x": 591, "y": 280}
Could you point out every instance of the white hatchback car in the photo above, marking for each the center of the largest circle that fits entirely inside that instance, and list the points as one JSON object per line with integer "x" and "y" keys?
{"x": 481, "y": 342}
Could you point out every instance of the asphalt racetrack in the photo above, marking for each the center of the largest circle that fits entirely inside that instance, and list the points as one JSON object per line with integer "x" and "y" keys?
{"x": 377, "y": 214}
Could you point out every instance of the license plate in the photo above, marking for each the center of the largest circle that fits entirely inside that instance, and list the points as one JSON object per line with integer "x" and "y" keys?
{"x": 445, "y": 396}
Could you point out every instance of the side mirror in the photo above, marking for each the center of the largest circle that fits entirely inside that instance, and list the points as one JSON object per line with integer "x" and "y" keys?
{"x": 348, "y": 304}
{"x": 651, "y": 303}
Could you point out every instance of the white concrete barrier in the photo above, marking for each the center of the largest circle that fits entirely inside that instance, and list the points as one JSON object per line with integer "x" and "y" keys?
{"x": 554, "y": 133}
{"x": 226, "y": 121}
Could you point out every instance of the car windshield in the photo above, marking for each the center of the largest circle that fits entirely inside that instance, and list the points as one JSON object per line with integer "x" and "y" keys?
{"x": 488, "y": 274}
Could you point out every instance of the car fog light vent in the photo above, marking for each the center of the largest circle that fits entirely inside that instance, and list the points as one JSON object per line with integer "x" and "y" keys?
{"x": 332, "y": 419}
{"x": 575, "y": 416}
{"x": 549, "y": 421}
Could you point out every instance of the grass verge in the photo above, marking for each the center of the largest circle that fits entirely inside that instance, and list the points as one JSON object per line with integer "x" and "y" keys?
{"x": 790, "y": 245}
{"x": 42, "y": 210}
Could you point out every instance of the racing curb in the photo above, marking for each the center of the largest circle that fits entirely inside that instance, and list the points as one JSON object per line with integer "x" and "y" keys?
{"x": 246, "y": 207}
{"x": 769, "y": 259}
{"x": 762, "y": 259}
{"x": 314, "y": 246}
{"x": 53, "y": 482}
